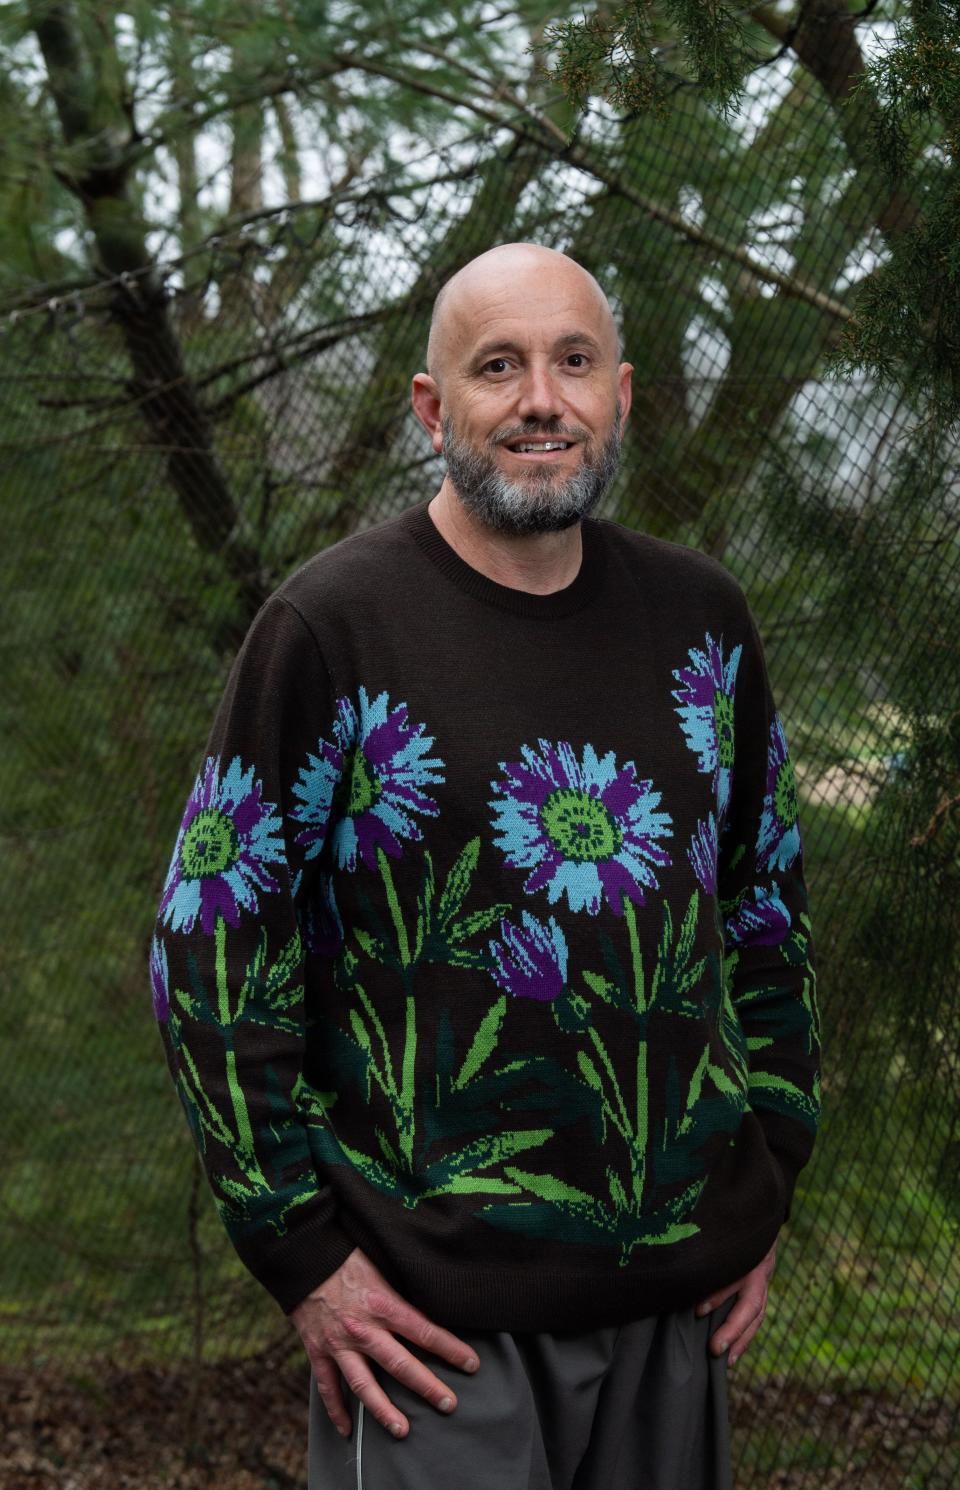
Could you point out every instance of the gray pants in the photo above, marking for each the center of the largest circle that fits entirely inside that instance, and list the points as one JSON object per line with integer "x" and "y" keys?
{"x": 642, "y": 1406}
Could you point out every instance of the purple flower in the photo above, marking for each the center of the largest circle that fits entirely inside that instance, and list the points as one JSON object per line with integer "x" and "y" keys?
{"x": 228, "y": 839}
{"x": 367, "y": 784}
{"x": 315, "y": 787}
{"x": 586, "y": 828}
{"x": 778, "y": 843}
{"x": 759, "y": 919}
{"x": 705, "y": 705}
{"x": 160, "y": 980}
{"x": 702, "y": 853}
{"x": 530, "y": 961}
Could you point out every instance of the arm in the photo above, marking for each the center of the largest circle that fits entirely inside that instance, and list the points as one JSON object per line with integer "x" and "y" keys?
{"x": 768, "y": 959}
{"x": 228, "y": 964}
{"x": 228, "y": 974}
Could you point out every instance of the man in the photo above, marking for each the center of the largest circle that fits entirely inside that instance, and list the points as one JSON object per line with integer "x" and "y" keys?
{"x": 482, "y": 960}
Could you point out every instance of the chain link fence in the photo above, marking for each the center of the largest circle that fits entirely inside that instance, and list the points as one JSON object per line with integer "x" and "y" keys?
{"x": 174, "y": 446}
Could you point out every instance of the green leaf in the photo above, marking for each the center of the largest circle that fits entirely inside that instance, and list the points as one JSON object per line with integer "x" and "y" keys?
{"x": 676, "y": 1232}
{"x": 590, "y": 1073}
{"x": 688, "y": 929}
{"x": 286, "y": 966}
{"x": 372, "y": 946}
{"x": 187, "y": 1002}
{"x": 782, "y": 1096}
{"x": 387, "y": 1149}
{"x": 464, "y": 957}
{"x": 548, "y": 1187}
{"x": 617, "y": 1193}
{"x": 491, "y": 1149}
{"x": 602, "y": 987}
{"x": 693, "y": 1091}
{"x": 723, "y": 1083}
{"x": 470, "y": 1184}
{"x": 477, "y": 921}
{"x": 424, "y": 906}
{"x": 458, "y": 882}
{"x": 360, "y": 1032}
{"x": 484, "y": 1042}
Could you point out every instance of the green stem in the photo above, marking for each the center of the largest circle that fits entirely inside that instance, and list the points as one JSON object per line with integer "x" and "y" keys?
{"x": 220, "y": 950}
{"x": 244, "y": 1130}
{"x": 630, "y": 916}
{"x": 640, "y": 1169}
{"x": 237, "y": 1099}
{"x": 403, "y": 945}
{"x": 407, "y": 1092}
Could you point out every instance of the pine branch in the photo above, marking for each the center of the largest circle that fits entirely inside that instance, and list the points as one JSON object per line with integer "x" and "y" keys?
{"x": 585, "y": 160}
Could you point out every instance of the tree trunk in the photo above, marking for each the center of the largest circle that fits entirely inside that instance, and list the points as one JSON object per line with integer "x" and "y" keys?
{"x": 289, "y": 150}
{"x": 826, "y": 43}
{"x": 95, "y": 130}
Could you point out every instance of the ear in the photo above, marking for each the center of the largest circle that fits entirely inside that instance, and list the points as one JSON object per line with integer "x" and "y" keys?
{"x": 425, "y": 397}
{"x": 624, "y": 390}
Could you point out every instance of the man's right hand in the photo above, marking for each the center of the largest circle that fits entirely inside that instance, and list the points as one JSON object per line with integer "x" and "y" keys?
{"x": 355, "y": 1314}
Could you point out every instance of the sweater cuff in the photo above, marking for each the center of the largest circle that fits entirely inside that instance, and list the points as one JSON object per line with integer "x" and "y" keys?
{"x": 291, "y": 1266}
{"x": 790, "y": 1172}
{"x": 790, "y": 1146}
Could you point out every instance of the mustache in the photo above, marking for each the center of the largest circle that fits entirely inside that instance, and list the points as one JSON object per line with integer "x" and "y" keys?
{"x": 550, "y": 429}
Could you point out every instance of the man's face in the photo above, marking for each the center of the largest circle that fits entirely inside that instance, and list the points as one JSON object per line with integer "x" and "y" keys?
{"x": 543, "y": 499}
{"x": 531, "y": 394}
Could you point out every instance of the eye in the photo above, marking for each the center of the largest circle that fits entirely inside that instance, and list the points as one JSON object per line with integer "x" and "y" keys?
{"x": 496, "y": 365}
{"x": 577, "y": 359}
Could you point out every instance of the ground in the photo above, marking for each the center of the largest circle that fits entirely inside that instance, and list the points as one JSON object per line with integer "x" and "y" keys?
{"x": 242, "y": 1426}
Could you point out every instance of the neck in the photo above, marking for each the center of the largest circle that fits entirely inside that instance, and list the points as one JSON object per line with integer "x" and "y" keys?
{"x": 539, "y": 563}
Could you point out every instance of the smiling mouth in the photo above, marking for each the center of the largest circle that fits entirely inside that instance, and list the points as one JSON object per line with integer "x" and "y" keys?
{"x": 539, "y": 447}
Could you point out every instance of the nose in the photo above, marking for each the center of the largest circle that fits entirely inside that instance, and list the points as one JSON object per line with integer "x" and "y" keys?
{"x": 540, "y": 396}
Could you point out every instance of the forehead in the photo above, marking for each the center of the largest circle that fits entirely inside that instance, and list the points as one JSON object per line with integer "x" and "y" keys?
{"x": 529, "y": 309}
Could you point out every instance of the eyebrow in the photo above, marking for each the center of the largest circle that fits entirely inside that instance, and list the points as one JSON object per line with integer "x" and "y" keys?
{"x": 489, "y": 349}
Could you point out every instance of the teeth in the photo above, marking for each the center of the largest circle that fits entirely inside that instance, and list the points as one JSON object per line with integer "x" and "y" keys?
{"x": 543, "y": 445}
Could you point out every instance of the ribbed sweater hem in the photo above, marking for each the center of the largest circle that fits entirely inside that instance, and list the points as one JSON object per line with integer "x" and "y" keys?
{"x": 463, "y": 1296}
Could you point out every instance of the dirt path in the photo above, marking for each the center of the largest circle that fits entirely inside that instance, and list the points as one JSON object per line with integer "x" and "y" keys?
{"x": 242, "y": 1426}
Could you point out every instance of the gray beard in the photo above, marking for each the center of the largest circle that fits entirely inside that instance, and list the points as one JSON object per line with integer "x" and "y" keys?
{"x": 540, "y": 503}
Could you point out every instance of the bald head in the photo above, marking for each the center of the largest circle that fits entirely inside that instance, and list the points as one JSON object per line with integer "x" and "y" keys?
{"x": 526, "y": 396}
{"x": 514, "y": 275}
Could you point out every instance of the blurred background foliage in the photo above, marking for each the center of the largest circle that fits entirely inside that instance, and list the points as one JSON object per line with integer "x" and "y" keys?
{"x": 222, "y": 226}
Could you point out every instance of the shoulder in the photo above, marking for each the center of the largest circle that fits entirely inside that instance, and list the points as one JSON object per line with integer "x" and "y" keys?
{"x": 340, "y": 575}
{"x": 681, "y": 578}
{"x": 330, "y": 590}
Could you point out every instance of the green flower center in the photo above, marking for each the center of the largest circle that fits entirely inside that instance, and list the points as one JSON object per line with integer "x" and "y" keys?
{"x": 579, "y": 826}
{"x": 785, "y": 795}
{"x": 211, "y": 845}
{"x": 359, "y": 788}
{"x": 723, "y": 724}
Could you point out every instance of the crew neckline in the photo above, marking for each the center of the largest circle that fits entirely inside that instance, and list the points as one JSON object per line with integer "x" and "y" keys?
{"x": 573, "y": 597}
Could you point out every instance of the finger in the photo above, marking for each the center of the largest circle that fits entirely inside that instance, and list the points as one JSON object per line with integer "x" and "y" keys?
{"x": 327, "y": 1378}
{"x": 389, "y": 1352}
{"x": 716, "y": 1299}
{"x": 402, "y": 1318}
{"x": 748, "y": 1310}
{"x": 365, "y": 1387}
{"x": 737, "y": 1349}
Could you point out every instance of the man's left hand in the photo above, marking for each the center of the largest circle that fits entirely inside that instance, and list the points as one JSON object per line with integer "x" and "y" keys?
{"x": 746, "y": 1316}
